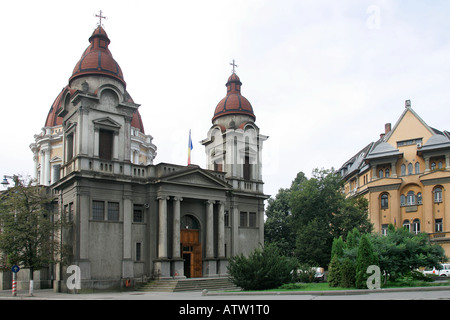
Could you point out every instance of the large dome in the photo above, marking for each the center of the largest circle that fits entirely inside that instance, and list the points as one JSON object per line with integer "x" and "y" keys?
{"x": 234, "y": 103}
{"x": 97, "y": 59}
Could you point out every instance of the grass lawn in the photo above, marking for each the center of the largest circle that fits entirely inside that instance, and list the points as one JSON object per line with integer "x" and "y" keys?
{"x": 323, "y": 286}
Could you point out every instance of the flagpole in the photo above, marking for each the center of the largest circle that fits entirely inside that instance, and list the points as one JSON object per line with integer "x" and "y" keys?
{"x": 190, "y": 147}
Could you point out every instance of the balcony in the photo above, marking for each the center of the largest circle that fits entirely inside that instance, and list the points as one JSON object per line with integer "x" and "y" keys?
{"x": 105, "y": 167}
{"x": 439, "y": 236}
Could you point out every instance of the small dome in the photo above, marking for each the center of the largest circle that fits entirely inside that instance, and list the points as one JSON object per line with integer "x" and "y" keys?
{"x": 97, "y": 59}
{"x": 234, "y": 103}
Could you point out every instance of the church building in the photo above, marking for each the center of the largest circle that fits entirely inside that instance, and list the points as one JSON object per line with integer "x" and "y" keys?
{"x": 131, "y": 219}
{"x": 405, "y": 176}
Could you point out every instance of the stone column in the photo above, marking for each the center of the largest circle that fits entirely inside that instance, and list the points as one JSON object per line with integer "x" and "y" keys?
{"x": 83, "y": 210}
{"x": 427, "y": 164}
{"x": 222, "y": 261}
{"x": 162, "y": 231}
{"x": 162, "y": 264}
{"x": 447, "y": 162}
{"x": 178, "y": 262}
{"x": 116, "y": 146}
{"x": 221, "y": 230}
{"x": 393, "y": 169}
{"x": 127, "y": 260}
{"x": 47, "y": 166}
{"x": 96, "y": 141}
{"x": 209, "y": 264}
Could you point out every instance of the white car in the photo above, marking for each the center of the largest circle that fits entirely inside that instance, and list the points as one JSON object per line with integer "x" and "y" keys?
{"x": 431, "y": 271}
{"x": 445, "y": 271}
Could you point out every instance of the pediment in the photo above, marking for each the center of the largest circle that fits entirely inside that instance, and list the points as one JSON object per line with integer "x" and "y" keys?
{"x": 107, "y": 122}
{"x": 196, "y": 177}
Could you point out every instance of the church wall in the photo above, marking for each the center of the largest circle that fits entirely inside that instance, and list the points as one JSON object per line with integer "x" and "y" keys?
{"x": 106, "y": 255}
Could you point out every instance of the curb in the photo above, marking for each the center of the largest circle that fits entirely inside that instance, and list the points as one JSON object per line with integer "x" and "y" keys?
{"x": 324, "y": 293}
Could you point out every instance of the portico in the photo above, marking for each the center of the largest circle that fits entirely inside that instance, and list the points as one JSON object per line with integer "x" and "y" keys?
{"x": 203, "y": 241}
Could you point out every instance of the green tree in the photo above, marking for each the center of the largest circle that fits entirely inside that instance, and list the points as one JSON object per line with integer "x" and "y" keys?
{"x": 264, "y": 268}
{"x": 334, "y": 268}
{"x": 28, "y": 227}
{"x": 320, "y": 213}
{"x": 401, "y": 251}
{"x": 278, "y": 228}
{"x": 352, "y": 213}
{"x": 366, "y": 257}
{"x": 347, "y": 273}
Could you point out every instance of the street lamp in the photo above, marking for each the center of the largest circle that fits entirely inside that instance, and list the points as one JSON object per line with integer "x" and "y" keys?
{"x": 5, "y": 181}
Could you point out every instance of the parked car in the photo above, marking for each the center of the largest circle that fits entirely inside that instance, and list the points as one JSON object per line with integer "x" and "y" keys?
{"x": 445, "y": 271}
{"x": 431, "y": 271}
{"x": 442, "y": 270}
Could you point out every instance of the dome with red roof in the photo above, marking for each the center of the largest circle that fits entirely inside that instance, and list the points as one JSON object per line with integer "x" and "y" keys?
{"x": 234, "y": 103}
{"x": 97, "y": 59}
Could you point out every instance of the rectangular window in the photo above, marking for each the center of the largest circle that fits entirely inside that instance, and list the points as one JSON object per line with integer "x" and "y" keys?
{"x": 227, "y": 218}
{"x": 384, "y": 229}
{"x": 113, "y": 211}
{"x": 138, "y": 213}
{"x": 69, "y": 146}
{"x": 138, "y": 251}
{"x": 438, "y": 225}
{"x": 105, "y": 146}
{"x": 98, "y": 210}
{"x": 243, "y": 219}
{"x": 252, "y": 219}
{"x": 247, "y": 168}
{"x": 70, "y": 216}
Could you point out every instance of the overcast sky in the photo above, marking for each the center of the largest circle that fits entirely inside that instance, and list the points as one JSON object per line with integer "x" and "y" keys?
{"x": 323, "y": 77}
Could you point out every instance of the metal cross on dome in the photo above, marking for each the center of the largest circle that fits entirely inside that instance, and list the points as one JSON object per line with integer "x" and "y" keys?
{"x": 100, "y": 17}
{"x": 234, "y": 65}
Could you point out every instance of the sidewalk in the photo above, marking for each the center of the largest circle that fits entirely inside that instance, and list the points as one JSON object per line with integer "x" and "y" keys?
{"x": 49, "y": 294}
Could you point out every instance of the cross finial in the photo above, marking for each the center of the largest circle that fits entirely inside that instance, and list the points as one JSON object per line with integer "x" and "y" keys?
{"x": 100, "y": 17}
{"x": 234, "y": 66}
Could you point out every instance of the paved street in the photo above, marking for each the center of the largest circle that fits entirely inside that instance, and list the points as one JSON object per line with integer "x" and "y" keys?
{"x": 437, "y": 293}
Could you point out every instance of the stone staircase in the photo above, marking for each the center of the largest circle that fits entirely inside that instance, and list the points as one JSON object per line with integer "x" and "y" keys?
{"x": 192, "y": 284}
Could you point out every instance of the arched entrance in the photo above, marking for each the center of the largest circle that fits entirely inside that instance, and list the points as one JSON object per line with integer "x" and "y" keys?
{"x": 191, "y": 248}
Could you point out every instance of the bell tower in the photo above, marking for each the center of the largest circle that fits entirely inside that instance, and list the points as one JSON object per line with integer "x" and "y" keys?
{"x": 234, "y": 143}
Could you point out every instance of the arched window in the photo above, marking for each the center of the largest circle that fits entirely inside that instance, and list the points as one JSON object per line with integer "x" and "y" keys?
{"x": 410, "y": 198}
{"x": 437, "y": 195}
{"x": 387, "y": 173}
{"x": 403, "y": 170}
{"x": 416, "y": 226}
{"x": 433, "y": 166}
{"x": 380, "y": 173}
{"x": 402, "y": 200}
{"x": 410, "y": 168}
{"x": 384, "y": 201}
{"x": 189, "y": 222}
{"x": 419, "y": 198}
{"x": 407, "y": 225}
{"x": 440, "y": 165}
{"x": 417, "y": 169}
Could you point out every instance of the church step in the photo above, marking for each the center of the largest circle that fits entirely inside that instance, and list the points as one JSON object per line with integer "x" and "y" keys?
{"x": 198, "y": 284}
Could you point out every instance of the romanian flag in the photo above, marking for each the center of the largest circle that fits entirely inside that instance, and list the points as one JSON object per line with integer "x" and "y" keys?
{"x": 190, "y": 147}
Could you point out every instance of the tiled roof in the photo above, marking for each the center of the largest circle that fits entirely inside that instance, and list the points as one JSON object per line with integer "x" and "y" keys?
{"x": 97, "y": 59}
{"x": 234, "y": 103}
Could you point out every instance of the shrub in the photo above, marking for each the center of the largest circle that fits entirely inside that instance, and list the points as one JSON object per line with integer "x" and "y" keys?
{"x": 263, "y": 269}
{"x": 366, "y": 257}
{"x": 347, "y": 273}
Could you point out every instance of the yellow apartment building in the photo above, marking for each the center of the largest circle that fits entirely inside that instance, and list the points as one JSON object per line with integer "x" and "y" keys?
{"x": 405, "y": 176}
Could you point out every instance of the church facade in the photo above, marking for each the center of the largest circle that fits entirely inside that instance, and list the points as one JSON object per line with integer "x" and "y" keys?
{"x": 132, "y": 219}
